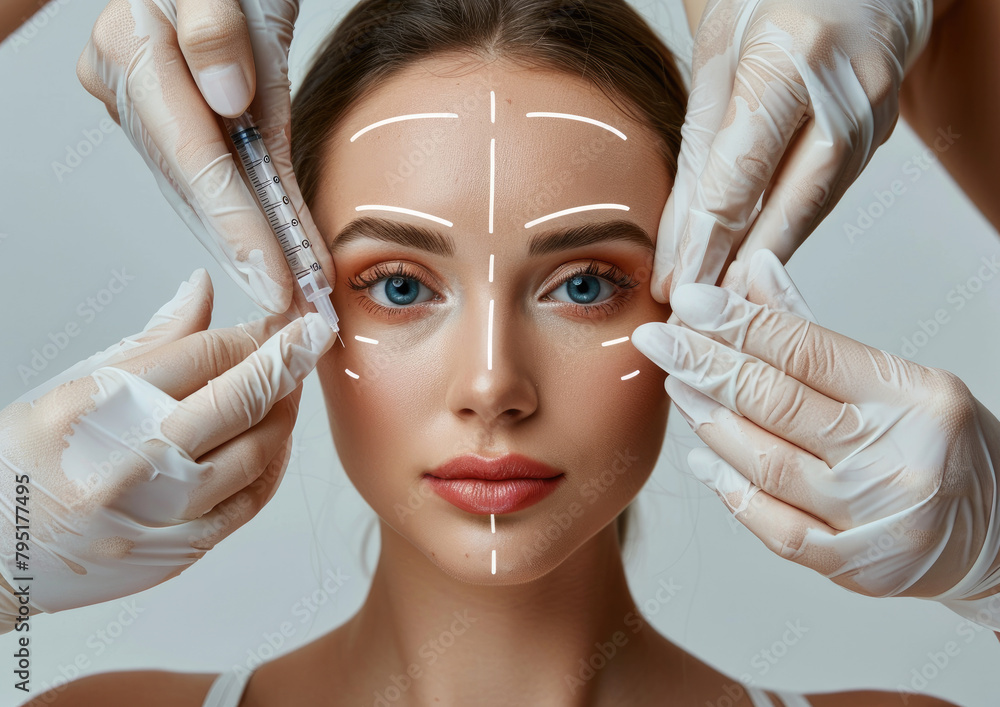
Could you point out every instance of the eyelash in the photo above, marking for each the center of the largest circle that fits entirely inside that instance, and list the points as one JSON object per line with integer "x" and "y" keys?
{"x": 616, "y": 276}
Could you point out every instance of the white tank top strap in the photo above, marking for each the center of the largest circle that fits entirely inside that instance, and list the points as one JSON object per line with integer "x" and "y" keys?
{"x": 792, "y": 699}
{"x": 227, "y": 689}
{"x": 759, "y": 698}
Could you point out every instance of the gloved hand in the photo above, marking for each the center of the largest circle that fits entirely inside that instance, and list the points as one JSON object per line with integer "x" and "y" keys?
{"x": 161, "y": 73}
{"x": 875, "y": 471}
{"x": 788, "y": 96}
{"x": 126, "y": 468}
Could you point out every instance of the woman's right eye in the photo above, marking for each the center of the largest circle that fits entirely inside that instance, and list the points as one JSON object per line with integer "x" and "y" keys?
{"x": 391, "y": 291}
{"x": 399, "y": 291}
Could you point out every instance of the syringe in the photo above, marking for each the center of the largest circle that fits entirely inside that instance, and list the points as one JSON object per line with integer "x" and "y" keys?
{"x": 266, "y": 185}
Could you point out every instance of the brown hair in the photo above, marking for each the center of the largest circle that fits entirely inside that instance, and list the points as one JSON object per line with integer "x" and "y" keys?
{"x": 605, "y": 41}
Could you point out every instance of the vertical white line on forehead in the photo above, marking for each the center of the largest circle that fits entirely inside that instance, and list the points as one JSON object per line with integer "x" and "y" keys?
{"x": 573, "y": 210}
{"x": 411, "y": 116}
{"x": 570, "y": 116}
{"x": 493, "y": 142}
{"x": 401, "y": 210}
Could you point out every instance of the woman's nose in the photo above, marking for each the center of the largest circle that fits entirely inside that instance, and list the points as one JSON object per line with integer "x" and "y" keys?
{"x": 492, "y": 364}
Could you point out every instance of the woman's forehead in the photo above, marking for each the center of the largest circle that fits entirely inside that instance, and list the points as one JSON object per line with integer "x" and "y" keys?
{"x": 497, "y": 148}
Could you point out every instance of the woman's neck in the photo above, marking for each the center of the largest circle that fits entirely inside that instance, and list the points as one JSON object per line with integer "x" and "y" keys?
{"x": 423, "y": 637}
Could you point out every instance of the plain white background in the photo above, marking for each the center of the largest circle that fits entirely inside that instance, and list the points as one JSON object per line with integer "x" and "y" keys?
{"x": 63, "y": 236}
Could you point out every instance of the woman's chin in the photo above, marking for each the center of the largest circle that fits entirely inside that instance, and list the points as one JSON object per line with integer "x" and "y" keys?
{"x": 521, "y": 549}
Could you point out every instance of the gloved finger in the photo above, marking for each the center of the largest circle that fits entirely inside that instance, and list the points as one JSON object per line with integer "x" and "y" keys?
{"x": 755, "y": 389}
{"x": 735, "y": 278}
{"x": 188, "y": 312}
{"x": 832, "y": 364}
{"x": 713, "y": 75}
{"x": 735, "y": 275}
{"x": 768, "y": 283}
{"x": 184, "y": 147}
{"x": 782, "y": 528}
{"x": 767, "y": 461}
{"x": 182, "y": 367}
{"x": 765, "y": 111}
{"x": 233, "y": 513}
{"x": 240, "y": 397}
{"x": 213, "y": 36}
{"x": 809, "y": 184}
{"x": 90, "y": 79}
{"x": 245, "y": 457}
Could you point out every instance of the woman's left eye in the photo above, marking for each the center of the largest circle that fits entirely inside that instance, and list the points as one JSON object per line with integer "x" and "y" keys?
{"x": 584, "y": 290}
{"x": 596, "y": 289}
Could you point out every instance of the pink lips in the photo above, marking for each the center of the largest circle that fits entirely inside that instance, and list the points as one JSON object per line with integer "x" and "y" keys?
{"x": 502, "y": 485}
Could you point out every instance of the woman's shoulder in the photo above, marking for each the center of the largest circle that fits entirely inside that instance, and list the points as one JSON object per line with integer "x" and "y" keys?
{"x": 754, "y": 697}
{"x": 702, "y": 679}
{"x": 150, "y": 688}
{"x": 875, "y": 698}
{"x": 277, "y": 681}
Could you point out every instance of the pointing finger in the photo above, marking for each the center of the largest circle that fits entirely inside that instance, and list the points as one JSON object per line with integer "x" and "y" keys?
{"x": 240, "y": 398}
{"x": 832, "y": 364}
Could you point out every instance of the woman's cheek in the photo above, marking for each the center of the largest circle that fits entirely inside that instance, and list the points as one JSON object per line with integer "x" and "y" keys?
{"x": 375, "y": 393}
{"x": 607, "y": 402}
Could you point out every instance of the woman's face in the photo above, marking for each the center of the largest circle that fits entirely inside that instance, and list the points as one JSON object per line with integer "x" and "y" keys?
{"x": 493, "y": 335}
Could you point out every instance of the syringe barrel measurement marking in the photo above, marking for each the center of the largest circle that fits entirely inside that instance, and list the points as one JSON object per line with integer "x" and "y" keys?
{"x": 281, "y": 216}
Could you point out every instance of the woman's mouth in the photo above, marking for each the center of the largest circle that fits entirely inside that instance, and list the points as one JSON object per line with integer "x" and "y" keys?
{"x": 502, "y": 485}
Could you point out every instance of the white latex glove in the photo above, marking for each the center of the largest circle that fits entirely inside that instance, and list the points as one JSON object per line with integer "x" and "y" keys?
{"x": 136, "y": 461}
{"x": 789, "y": 100}
{"x": 146, "y": 60}
{"x": 875, "y": 471}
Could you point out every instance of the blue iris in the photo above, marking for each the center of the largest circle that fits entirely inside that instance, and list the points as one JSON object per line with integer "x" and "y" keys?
{"x": 401, "y": 290}
{"x": 586, "y": 287}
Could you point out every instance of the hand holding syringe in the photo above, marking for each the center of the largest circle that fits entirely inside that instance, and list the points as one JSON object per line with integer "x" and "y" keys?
{"x": 265, "y": 182}
{"x": 169, "y": 111}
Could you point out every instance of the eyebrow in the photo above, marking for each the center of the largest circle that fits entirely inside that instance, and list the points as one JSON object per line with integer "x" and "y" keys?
{"x": 545, "y": 242}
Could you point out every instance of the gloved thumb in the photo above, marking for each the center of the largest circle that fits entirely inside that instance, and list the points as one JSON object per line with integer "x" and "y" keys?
{"x": 214, "y": 39}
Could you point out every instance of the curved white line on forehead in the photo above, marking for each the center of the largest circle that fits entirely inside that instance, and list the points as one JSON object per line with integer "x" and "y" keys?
{"x": 411, "y": 116}
{"x": 573, "y": 210}
{"x": 401, "y": 210}
{"x": 570, "y": 116}
{"x": 633, "y": 374}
